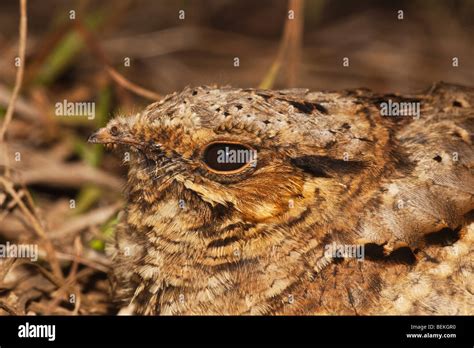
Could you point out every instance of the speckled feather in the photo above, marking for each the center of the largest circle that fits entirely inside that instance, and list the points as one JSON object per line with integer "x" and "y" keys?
{"x": 330, "y": 169}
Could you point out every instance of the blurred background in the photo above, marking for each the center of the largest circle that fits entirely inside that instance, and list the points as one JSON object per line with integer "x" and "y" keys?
{"x": 168, "y": 53}
{"x": 64, "y": 194}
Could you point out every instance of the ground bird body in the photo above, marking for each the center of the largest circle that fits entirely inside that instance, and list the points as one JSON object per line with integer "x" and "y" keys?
{"x": 331, "y": 171}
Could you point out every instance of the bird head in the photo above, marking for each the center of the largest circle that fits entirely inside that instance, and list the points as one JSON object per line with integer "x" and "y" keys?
{"x": 261, "y": 154}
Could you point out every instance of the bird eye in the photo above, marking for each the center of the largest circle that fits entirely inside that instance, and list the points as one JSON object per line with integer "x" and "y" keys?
{"x": 114, "y": 131}
{"x": 228, "y": 157}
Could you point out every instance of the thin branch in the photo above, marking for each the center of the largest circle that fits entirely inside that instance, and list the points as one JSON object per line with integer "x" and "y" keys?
{"x": 7, "y": 265}
{"x": 71, "y": 281}
{"x": 294, "y": 49}
{"x": 99, "y": 53}
{"x": 290, "y": 47}
{"x": 128, "y": 85}
{"x": 95, "y": 217}
{"x": 7, "y": 308}
{"x": 22, "y": 107}
{"x": 34, "y": 222}
{"x": 37, "y": 227}
{"x": 102, "y": 265}
{"x": 20, "y": 72}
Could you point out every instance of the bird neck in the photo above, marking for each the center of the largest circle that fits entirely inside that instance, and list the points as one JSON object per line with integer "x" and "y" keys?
{"x": 197, "y": 256}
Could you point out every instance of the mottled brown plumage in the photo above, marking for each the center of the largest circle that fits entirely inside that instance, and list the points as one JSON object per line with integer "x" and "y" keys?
{"x": 330, "y": 169}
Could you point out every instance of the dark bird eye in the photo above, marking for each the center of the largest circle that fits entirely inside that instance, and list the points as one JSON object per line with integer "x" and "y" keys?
{"x": 228, "y": 157}
{"x": 114, "y": 131}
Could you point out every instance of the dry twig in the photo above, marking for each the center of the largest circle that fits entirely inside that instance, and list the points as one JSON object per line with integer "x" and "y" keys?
{"x": 290, "y": 47}
{"x": 97, "y": 51}
{"x": 20, "y": 72}
{"x": 37, "y": 227}
{"x": 95, "y": 217}
{"x": 7, "y": 308}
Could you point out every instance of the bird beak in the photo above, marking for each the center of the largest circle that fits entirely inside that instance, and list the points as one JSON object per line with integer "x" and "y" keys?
{"x": 102, "y": 136}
